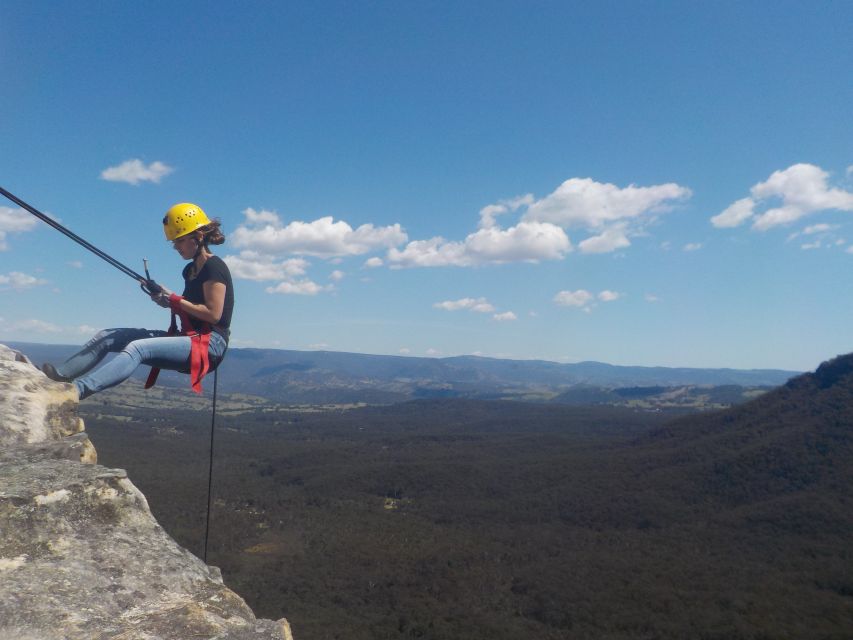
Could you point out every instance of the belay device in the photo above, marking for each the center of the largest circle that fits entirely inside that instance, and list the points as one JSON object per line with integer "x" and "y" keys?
{"x": 151, "y": 288}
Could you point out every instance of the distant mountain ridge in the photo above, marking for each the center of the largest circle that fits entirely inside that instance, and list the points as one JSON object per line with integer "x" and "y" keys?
{"x": 339, "y": 377}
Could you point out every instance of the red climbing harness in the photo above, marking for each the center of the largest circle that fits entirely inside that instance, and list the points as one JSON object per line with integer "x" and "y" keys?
{"x": 199, "y": 341}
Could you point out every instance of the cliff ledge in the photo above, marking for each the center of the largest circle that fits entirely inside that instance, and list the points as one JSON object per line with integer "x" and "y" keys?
{"x": 81, "y": 556}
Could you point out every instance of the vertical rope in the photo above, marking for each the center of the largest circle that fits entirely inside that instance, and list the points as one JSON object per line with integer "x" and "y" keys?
{"x": 210, "y": 465}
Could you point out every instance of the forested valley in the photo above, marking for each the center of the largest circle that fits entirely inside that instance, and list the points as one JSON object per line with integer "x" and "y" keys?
{"x": 492, "y": 519}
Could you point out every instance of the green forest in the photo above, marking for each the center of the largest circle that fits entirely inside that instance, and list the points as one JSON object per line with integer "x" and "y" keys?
{"x": 449, "y": 519}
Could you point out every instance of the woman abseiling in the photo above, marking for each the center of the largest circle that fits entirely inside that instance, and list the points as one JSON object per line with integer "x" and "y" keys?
{"x": 205, "y": 310}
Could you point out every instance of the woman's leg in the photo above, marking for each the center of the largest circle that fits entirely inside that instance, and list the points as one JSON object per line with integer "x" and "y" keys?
{"x": 103, "y": 343}
{"x": 163, "y": 352}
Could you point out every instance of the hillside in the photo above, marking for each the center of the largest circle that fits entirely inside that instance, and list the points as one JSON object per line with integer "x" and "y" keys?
{"x": 455, "y": 518}
{"x": 326, "y": 377}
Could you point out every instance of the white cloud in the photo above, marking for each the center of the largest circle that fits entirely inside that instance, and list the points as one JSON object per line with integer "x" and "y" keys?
{"x": 692, "y": 246}
{"x": 611, "y": 239}
{"x": 582, "y": 298}
{"x": 819, "y": 228}
{"x": 735, "y": 214}
{"x": 337, "y": 275}
{"x": 433, "y": 352}
{"x": 585, "y": 203}
{"x": 323, "y": 237}
{"x": 135, "y": 171}
{"x": 374, "y": 262}
{"x": 526, "y": 242}
{"x": 488, "y": 213}
{"x": 250, "y": 265}
{"x": 19, "y": 281}
{"x": 803, "y": 190}
{"x": 261, "y": 217}
{"x": 36, "y": 326}
{"x": 405, "y": 351}
{"x": 506, "y": 316}
{"x": 300, "y": 287}
{"x": 849, "y": 171}
{"x": 823, "y": 234}
{"x": 579, "y": 298}
{"x": 650, "y": 297}
{"x": 478, "y": 305}
{"x": 14, "y": 221}
{"x": 611, "y": 213}
{"x": 75, "y": 264}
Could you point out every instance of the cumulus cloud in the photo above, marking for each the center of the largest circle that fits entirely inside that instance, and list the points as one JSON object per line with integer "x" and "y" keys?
{"x": 585, "y": 203}
{"x": 819, "y": 228}
{"x": 506, "y": 316}
{"x": 822, "y": 234}
{"x": 266, "y": 242}
{"x": 135, "y": 171}
{"x": 579, "y": 298}
{"x": 611, "y": 239}
{"x": 525, "y": 242}
{"x": 297, "y": 287}
{"x": 251, "y": 265}
{"x": 489, "y": 212}
{"x": 374, "y": 262}
{"x": 478, "y": 305}
{"x": 322, "y": 238}
{"x": 612, "y": 214}
{"x": 583, "y": 299}
{"x": 14, "y": 221}
{"x": 19, "y": 281}
{"x": 692, "y": 246}
{"x": 36, "y": 326}
{"x": 800, "y": 190}
{"x": 735, "y": 214}
{"x": 262, "y": 217}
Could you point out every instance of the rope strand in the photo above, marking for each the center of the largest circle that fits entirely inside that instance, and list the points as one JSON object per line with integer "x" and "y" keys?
{"x": 210, "y": 465}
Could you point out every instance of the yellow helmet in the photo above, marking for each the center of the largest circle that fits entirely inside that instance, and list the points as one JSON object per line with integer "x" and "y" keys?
{"x": 183, "y": 218}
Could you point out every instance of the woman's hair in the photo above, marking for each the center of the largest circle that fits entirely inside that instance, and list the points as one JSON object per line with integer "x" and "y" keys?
{"x": 212, "y": 234}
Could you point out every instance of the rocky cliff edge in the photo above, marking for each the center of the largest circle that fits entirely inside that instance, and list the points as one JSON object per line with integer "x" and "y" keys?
{"x": 81, "y": 556}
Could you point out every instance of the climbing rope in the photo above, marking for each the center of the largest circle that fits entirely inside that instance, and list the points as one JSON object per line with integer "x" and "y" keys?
{"x": 148, "y": 285}
{"x": 210, "y": 465}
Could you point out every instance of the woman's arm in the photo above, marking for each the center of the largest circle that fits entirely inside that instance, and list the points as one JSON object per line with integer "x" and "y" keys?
{"x": 214, "y": 303}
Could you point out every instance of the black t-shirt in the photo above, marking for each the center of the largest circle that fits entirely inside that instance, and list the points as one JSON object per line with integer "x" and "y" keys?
{"x": 214, "y": 270}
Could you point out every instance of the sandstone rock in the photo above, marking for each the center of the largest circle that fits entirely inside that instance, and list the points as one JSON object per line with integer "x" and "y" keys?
{"x": 33, "y": 408}
{"x": 81, "y": 556}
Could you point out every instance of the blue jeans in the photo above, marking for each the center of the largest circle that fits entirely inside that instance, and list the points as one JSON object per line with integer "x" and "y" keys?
{"x": 133, "y": 348}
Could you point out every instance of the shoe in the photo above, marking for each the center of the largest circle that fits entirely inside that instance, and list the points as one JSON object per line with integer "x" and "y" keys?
{"x": 50, "y": 371}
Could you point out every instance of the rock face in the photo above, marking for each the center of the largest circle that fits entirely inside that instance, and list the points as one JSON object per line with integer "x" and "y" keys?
{"x": 81, "y": 556}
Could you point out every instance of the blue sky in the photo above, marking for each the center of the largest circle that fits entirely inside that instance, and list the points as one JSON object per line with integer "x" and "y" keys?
{"x": 651, "y": 183}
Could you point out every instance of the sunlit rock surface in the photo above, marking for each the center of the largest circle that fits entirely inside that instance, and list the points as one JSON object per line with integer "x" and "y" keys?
{"x": 81, "y": 556}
